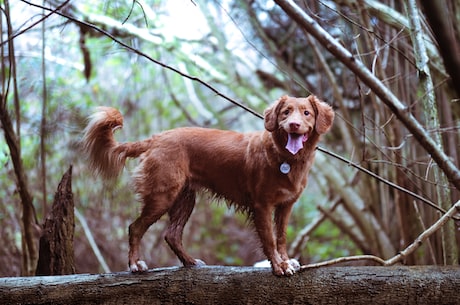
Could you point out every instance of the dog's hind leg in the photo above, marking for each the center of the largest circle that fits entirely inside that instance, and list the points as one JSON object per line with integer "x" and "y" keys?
{"x": 179, "y": 214}
{"x": 155, "y": 206}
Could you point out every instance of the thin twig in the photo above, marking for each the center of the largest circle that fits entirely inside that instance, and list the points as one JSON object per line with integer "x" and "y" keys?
{"x": 383, "y": 180}
{"x": 422, "y": 224}
{"x": 425, "y": 234}
{"x": 52, "y": 11}
{"x": 344, "y": 260}
{"x": 142, "y": 54}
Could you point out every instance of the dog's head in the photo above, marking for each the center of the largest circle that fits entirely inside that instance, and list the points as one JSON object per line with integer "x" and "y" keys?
{"x": 299, "y": 118}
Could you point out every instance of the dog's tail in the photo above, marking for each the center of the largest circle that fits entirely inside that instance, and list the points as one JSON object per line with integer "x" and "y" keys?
{"x": 105, "y": 155}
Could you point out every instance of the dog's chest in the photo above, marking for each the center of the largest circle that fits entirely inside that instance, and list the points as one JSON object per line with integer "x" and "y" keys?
{"x": 278, "y": 187}
{"x": 286, "y": 195}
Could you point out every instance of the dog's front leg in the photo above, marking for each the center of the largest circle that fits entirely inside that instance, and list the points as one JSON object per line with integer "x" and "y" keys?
{"x": 264, "y": 228}
{"x": 282, "y": 215}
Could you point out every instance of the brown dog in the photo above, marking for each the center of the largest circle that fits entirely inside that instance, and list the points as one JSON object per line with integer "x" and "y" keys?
{"x": 262, "y": 173}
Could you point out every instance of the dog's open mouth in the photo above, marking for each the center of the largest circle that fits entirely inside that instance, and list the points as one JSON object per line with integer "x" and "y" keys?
{"x": 295, "y": 142}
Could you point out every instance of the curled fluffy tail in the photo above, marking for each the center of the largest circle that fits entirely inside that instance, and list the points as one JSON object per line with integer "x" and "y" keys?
{"x": 105, "y": 155}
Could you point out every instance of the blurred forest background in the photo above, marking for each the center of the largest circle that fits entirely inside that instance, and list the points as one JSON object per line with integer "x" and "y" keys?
{"x": 56, "y": 69}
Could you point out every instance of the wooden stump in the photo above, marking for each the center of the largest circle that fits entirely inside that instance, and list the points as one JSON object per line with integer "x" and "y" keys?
{"x": 56, "y": 253}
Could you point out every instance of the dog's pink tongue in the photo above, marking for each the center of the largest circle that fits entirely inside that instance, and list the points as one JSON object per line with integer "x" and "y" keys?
{"x": 295, "y": 142}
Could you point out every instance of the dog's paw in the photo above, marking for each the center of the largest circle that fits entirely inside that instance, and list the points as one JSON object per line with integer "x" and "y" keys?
{"x": 139, "y": 266}
{"x": 199, "y": 263}
{"x": 194, "y": 263}
{"x": 289, "y": 267}
{"x": 294, "y": 264}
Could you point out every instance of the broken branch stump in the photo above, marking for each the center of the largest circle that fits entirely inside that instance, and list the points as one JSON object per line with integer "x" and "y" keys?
{"x": 56, "y": 252}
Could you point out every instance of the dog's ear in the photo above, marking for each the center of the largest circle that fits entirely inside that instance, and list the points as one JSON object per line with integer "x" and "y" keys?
{"x": 324, "y": 115}
{"x": 271, "y": 114}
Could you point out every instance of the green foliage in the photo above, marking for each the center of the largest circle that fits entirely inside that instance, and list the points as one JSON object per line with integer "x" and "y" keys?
{"x": 236, "y": 43}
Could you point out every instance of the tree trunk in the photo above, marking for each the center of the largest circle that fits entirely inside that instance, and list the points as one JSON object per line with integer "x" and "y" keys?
{"x": 439, "y": 19}
{"x": 242, "y": 285}
{"x": 29, "y": 221}
{"x": 426, "y": 93}
{"x": 56, "y": 255}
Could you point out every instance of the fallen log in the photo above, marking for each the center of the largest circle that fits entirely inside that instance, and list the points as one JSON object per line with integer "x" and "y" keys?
{"x": 242, "y": 285}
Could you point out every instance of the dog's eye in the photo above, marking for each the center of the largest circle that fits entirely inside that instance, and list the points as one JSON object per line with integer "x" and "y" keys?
{"x": 286, "y": 112}
{"x": 306, "y": 112}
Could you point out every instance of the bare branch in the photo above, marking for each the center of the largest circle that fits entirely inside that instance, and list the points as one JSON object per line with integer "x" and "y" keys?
{"x": 383, "y": 180}
{"x": 455, "y": 209}
{"x": 344, "y": 260}
{"x": 140, "y": 53}
{"x": 427, "y": 233}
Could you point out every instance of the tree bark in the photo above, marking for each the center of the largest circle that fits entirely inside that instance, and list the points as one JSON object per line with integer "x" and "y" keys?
{"x": 29, "y": 219}
{"x": 426, "y": 92}
{"x": 241, "y": 285}
{"x": 56, "y": 256}
{"x": 438, "y": 18}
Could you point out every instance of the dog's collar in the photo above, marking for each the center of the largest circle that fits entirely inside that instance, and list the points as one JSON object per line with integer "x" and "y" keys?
{"x": 285, "y": 168}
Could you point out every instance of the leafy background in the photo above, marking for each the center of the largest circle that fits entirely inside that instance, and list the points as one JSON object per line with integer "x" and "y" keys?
{"x": 252, "y": 52}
